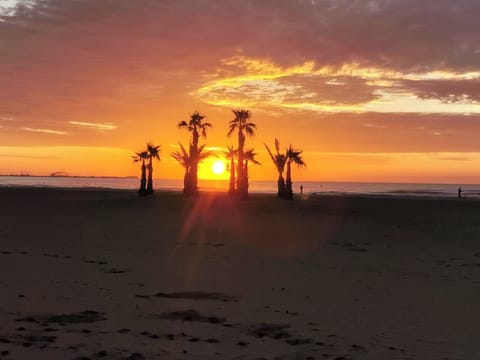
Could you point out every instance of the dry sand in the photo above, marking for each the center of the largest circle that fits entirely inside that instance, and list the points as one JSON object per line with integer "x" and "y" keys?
{"x": 105, "y": 274}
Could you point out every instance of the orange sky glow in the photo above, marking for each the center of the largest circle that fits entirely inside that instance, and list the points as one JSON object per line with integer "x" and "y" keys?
{"x": 370, "y": 90}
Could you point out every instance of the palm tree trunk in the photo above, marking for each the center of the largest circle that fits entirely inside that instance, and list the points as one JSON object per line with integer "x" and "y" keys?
{"x": 281, "y": 186}
{"x": 231, "y": 188}
{"x": 194, "y": 157}
{"x": 143, "y": 180}
{"x": 288, "y": 183}
{"x": 194, "y": 177}
{"x": 185, "y": 182}
{"x": 240, "y": 173}
{"x": 245, "y": 174}
{"x": 150, "y": 177}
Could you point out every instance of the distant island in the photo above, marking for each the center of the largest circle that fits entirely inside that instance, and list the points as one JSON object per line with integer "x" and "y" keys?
{"x": 66, "y": 175}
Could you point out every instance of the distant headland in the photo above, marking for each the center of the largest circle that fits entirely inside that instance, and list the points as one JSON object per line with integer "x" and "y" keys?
{"x": 62, "y": 174}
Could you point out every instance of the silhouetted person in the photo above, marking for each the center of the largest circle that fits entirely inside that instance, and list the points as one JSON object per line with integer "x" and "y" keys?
{"x": 301, "y": 190}
{"x": 459, "y": 192}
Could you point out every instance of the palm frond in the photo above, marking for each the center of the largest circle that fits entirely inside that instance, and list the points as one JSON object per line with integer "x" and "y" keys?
{"x": 294, "y": 155}
{"x": 231, "y": 152}
{"x": 196, "y": 118}
{"x": 182, "y": 123}
{"x": 139, "y": 156}
{"x": 250, "y": 131}
{"x": 250, "y": 156}
{"x": 153, "y": 151}
{"x": 204, "y": 127}
{"x": 202, "y": 156}
{"x": 182, "y": 157}
{"x": 232, "y": 128}
{"x": 270, "y": 153}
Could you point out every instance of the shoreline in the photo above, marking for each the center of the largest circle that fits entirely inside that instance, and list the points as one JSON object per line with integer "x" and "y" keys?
{"x": 297, "y": 197}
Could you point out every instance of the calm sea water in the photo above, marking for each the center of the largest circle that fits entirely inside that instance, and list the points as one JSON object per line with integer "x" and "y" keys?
{"x": 327, "y": 188}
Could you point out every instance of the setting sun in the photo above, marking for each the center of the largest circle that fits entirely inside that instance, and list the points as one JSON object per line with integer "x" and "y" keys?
{"x": 218, "y": 167}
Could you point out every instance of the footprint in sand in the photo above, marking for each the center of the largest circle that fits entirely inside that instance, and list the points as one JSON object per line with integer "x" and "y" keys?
{"x": 113, "y": 271}
{"x": 358, "y": 348}
{"x": 191, "y": 315}
{"x": 87, "y": 316}
{"x": 212, "y": 341}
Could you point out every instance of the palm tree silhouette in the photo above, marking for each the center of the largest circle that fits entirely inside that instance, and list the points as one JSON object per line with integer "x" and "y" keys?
{"x": 141, "y": 156}
{"x": 249, "y": 155}
{"x": 197, "y": 127}
{"x": 279, "y": 160}
{"x": 293, "y": 156}
{"x": 230, "y": 154}
{"x": 242, "y": 125}
{"x": 153, "y": 153}
{"x": 184, "y": 159}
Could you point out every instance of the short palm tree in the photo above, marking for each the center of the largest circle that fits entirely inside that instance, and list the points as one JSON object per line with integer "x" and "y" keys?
{"x": 141, "y": 156}
{"x": 293, "y": 156}
{"x": 243, "y": 126}
{"x": 153, "y": 153}
{"x": 279, "y": 160}
{"x": 183, "y": 159}
{"x": 249, "y": 155}
{"x": 230, "y": 154}
{"x": 198, "y": 128}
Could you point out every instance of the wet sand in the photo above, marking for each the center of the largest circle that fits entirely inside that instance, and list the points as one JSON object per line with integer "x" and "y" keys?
{"x": 87, "y": 274}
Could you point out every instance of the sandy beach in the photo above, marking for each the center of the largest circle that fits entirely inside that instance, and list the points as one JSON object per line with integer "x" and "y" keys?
{"x": 87, "y": 274}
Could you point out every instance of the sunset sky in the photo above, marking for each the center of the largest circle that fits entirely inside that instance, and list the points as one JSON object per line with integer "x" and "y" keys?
{"x": 385, "y": 90}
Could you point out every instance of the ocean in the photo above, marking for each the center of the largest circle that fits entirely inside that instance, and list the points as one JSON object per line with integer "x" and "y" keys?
{"x": 309, "y": 187}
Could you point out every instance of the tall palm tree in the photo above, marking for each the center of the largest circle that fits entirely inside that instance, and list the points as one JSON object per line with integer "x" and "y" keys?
{"x": 153, "y": 153}
{"x": 293, "y": 156}
{"x": 183, "y": 159}
{"x": 230, "y": 154}
{"x": 198, "y": 128}
{"x": 249, "y": 155}
{"x": 243, "y": 126}
{"x": 141, "y": 156}
{"x": 279, "y": 161}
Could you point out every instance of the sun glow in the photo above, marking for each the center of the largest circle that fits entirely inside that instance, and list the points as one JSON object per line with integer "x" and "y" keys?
{"x": 218, "y": 167}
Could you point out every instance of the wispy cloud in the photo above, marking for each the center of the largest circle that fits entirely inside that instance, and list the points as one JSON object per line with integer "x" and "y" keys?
{"x": 11, "y": 7}
{"x": 455, "y": 158}
{"x": 350, "y": 87}
{"x": 46, "y": 131}
{"x": 97, "y": 126}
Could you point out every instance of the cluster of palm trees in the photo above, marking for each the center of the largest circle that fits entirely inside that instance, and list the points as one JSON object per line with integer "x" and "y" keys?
{"x": 146, "y": 157}
{"x": 196, "y": 154}
{"x": 291, "y": 155}
{"x": 239, "y": 158}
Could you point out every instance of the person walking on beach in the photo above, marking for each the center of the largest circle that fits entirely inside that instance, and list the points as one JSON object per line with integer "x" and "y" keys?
{"x": 301, "y": 190}
{"x": 459, "y": 192}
